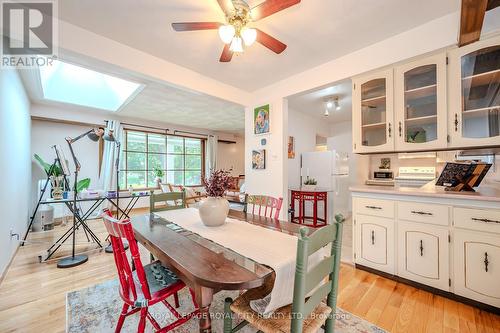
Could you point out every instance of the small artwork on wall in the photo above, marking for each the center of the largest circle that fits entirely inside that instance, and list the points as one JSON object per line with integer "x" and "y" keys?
{"x": 291, "y": 147}
{"x": 259, "y": 159}
{"x": 261, "y": 119}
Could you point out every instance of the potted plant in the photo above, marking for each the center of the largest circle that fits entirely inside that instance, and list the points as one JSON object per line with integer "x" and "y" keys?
{"x": 214, "y": 209}
{"x": 310, "y": 184}
{"x": 159, "y": 173}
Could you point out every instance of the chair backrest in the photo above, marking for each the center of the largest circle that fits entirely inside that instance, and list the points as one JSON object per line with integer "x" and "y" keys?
{"x": 264, "y": 205}
{"x": 168, "y": 201}
{"x": 117, "y": 230}
{"x": 307, "y": 280}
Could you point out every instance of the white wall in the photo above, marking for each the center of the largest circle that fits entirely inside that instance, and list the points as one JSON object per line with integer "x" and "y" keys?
{"x": 304, "y": 129}
{"x": 15, "y": 162}
{"x": 232, "y": 156}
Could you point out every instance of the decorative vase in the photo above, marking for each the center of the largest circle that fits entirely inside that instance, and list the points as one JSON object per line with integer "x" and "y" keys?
{"x": 213, "y": 211}
{"x": 57, "y": 193}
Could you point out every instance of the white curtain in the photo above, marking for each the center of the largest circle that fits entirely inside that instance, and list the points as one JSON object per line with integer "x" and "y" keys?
{"x": 211, "y": 155}
{"x": 107, "y": 178}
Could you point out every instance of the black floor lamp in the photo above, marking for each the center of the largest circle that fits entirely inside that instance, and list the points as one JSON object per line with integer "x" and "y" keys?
{"x": 94, "y": 135}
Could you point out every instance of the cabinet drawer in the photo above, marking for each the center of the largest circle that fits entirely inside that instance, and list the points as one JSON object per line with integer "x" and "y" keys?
{"x": 477, "y": 219}
{"x": 424, "y": 213}
{"x": 374, "y": 207}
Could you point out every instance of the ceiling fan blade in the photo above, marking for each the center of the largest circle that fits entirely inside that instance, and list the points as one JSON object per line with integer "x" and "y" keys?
{"x": 226, "y": 55}
{"x": 192, "y": 26}
{"x": 270, "y": 7}
{"x": 270, "y": 42}
{"x": 226, "y": 6}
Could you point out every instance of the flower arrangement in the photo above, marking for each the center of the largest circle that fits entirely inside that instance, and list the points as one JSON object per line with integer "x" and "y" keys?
{"x": 218, "y": 183}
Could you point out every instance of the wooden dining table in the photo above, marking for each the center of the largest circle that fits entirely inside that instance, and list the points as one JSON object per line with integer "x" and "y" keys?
{"x": 206, "y": 267}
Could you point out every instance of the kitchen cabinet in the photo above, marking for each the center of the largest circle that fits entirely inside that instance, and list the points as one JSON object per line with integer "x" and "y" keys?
{"x": 474, "y": 94}
{"x": 477, "y": 266}
{"x": 423, "y": 254}
{"x": 373, "y": 112}
{"x": 420, "y": 104}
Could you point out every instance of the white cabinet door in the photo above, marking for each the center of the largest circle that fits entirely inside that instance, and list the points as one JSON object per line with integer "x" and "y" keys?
{"x": 423, "y": 254}
{"x": 373, "y": 128}
{"x": 420, "y": 104}
{"x": 477, "y": 266}
{"x": 473, "y": 96}
{"x": 374, "y": 242}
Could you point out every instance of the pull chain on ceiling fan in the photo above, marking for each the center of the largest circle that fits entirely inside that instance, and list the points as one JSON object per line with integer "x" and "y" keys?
{"x": 236, "y": 32}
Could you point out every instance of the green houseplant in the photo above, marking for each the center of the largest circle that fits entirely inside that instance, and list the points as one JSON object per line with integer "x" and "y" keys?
{"x": 309, "y": 184}
{"x": 159, "y": 173}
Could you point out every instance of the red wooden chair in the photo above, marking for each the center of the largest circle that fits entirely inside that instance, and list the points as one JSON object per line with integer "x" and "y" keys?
{"x": 264, "y": 205}
{"x": 145, "y": 286}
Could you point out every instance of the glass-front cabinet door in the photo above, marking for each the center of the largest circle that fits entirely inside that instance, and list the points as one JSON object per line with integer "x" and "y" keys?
{"x": 474, "y": 116}
{"x": 373, "y": 113}
{"x": 420, "y": 104}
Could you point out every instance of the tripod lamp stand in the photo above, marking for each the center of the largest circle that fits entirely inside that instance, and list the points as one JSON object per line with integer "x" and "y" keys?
{"x": 94, "y": 135}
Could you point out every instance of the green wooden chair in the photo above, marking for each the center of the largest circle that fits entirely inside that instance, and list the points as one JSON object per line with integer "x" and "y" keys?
{"x": 305, "y": 314}
{"x": 168, "y": 201}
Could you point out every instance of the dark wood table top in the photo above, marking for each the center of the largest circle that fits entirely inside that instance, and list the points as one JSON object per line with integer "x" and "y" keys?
{"x": 202, "y": 261}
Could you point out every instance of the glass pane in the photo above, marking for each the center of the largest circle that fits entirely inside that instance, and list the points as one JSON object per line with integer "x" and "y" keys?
{"x": 136, "y": 161}
{"x": 421, "y": 104}
{"x": 175, "y": 177}
{"x": 175, "y": 162}
{"x": 157, "y": 143}
{"x": 373, "y": 112}
{"x": 193, "y": 162}
{"x": 156, "y": 161}
{"x": 136, "y": 178}
{"x": 136, "y": 141}
{"x": 193, "y": 146}
{"x": 193, "y": 178}
{"x": 175, "y": 144}
{"x": 122, "y": 177}
{"x": 480, "y": 93}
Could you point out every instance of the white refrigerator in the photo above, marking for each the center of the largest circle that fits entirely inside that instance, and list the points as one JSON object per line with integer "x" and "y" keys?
{"x": 331, "y": 170}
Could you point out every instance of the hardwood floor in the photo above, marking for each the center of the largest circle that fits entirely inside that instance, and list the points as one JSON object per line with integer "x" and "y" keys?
{"x": 33, "y": 295}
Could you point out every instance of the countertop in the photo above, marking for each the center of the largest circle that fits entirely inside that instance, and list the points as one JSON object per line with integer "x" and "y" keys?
{"x": 485, "y": 192}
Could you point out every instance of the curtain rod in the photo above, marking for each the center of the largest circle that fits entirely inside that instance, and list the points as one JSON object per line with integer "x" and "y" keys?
{"x": 193, "y": 133}
{"x": 143, "y": 126}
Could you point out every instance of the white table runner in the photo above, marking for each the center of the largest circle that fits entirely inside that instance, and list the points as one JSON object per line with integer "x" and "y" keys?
{"x": 265, "y": 246}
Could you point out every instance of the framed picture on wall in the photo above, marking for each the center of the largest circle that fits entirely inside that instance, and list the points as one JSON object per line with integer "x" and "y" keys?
{"x": 259, "y": 159}
{"x": 261, "y": 116}
{"x": 291, "y": 147}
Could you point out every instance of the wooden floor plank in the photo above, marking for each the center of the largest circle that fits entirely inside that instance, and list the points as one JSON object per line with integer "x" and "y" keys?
{"x": 33, "y": 295}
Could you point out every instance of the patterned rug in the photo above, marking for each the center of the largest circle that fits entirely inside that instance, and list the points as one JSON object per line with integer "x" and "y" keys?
{"x": 96, "y": 309}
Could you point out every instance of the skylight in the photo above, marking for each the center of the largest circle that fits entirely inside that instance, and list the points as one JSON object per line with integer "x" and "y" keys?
{"x": 63, "y": 82}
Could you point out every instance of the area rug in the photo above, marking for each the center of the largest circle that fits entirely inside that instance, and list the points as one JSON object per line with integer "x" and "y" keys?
{"x": 96, "y": 309}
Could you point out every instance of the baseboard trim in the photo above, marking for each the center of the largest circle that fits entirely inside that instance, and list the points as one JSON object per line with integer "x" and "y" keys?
{"x": 447, "y": 294}
{"x": 6, "y": 270}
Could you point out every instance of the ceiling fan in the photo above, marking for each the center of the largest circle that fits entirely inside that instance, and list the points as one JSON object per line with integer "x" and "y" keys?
{"x": 236, "y": 31}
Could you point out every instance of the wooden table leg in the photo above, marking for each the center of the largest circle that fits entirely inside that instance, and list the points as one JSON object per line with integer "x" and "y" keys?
{"x": 204, "y": 298}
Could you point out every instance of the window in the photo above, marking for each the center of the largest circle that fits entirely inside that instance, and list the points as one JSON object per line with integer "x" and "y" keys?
{"x": 180, "y": 158}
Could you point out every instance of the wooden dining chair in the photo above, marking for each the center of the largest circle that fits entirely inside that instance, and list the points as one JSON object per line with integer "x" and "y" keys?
{"x": 146, "y": 285}
{"x": 168, "y": 201}
{"x": 307, "y": 313}
{"x": 264, "y": 205}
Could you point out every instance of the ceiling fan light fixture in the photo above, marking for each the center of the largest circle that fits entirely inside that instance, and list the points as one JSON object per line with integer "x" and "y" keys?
{"x": 226, "y": 33}
{"x": 337, "y": 104}
{"x": 236, "y": 45}
{"x": 249, "y": 36}
{"x": 327, "y": 113}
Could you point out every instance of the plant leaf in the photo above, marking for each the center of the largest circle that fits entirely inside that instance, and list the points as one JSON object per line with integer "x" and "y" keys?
{"x": 82, "y": 185}
{"x": 45, "y": 166}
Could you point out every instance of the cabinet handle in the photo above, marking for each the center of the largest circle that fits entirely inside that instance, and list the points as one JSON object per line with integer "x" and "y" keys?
{"x": 373, "y": 237}
{"x": 390, "y": 130}
{"x": 486, "y": 262}
{"x": 456, "y": 122}
{"x": 421, "y": 248}
{"x": 484, "y": 220}
{"x": 400, "y": 129}
{"x": 421, "y": 213}
{"x": 373, "y": 207}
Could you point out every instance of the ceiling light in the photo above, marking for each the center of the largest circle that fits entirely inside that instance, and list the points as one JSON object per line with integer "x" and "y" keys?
{"x": 226, "y": 33}
{"x": 337, "y": 105}
{"x": 329, "y": 104}
{"x": 327, "y": 113}
{"x": 236, "y": 45}
{"x": 249, "y": 36}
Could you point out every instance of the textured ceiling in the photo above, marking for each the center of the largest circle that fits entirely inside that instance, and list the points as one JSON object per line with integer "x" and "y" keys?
{"x": 313, "y": 102}
{"x": 316, "y": 31}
